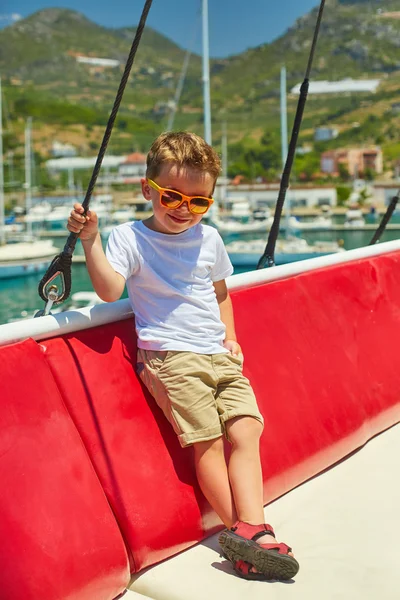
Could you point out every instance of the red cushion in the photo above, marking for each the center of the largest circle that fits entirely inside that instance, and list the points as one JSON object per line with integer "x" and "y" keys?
{"x": 325, "y": 364}
{"x": 321, "y": 352}
{"x": 58, "y": 535}
{"x": 148, "y": 479}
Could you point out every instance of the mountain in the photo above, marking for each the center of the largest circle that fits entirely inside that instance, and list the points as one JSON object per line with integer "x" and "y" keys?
{"x": 42, "y": 49}
{"x": 353, "y": 42}
{"x": 358, "y": 38}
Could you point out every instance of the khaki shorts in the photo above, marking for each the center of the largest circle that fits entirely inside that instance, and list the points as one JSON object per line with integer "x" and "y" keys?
{"x": 198, "y": 393}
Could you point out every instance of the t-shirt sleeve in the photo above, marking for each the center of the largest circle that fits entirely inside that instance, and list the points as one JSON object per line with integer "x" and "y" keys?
{"x": 222, "y": 267}
{"x": 121, "y": 251}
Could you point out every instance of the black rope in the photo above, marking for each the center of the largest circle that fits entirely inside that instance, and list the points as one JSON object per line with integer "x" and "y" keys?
{"x": 60, "y": 264}
{"x": 269, "y": 253}
{"x": 385, "y": 220}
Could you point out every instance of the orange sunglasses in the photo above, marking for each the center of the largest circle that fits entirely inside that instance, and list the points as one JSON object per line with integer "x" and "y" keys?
{"x": 198, "y": 205}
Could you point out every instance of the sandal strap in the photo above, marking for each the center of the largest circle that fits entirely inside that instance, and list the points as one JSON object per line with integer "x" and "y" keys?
{"x": 252, "y": 532}
{"x": 282, "y": 547}
{"x": 243, "y": 566}
{"x": 265, "y": 531}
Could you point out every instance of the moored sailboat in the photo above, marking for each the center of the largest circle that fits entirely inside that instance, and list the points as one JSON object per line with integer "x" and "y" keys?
{"x": 243, "y": 253}
{"x": 32, "y": 256}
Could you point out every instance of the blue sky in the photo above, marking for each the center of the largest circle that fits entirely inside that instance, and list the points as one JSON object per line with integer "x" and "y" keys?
{"x": 232, "y": 30}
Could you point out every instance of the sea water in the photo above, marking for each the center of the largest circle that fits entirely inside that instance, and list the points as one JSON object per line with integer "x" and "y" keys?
{"x": 19, "y": 296}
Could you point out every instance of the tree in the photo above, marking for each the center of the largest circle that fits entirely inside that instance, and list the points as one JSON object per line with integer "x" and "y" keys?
{"x": 343, "y": 194}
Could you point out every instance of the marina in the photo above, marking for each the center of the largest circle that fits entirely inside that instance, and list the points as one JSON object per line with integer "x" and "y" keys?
{"x": 19, "y": 295}
{"x": 45, "y": 233}
{"x": 101, "y": 499}
{"x": 79, "y": 366}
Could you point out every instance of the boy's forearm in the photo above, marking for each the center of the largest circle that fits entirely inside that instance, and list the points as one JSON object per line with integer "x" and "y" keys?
{"x": 107, "y": 284}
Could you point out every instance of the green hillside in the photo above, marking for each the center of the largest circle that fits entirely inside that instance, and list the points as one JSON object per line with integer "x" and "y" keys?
{"x": 71, "y": 101}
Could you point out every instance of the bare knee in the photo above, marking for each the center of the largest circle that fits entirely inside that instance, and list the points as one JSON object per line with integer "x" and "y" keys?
{"x": 244, "y": 431}
{"x": 215, "y": 446}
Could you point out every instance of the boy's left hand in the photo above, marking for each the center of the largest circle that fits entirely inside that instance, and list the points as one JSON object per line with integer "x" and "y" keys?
{"x": 234, "y": 348}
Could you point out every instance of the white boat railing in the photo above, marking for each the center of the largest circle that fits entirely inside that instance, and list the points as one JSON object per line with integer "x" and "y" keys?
{"x": 101, "y": 314}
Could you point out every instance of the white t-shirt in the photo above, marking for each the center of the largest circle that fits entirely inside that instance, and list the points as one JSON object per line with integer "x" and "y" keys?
{"x": 169, "y": 279}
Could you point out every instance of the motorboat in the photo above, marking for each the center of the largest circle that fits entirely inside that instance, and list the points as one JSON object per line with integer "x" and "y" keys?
{"x": 227, "y": 226}
{"x": 354, "y": 218}
{"x": 319, "y": 222}
{"x": 243, "y": 253}
{"x": 24, "y": 258}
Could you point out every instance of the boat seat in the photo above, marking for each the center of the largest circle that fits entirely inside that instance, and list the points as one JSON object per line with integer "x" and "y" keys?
{"x": 59, "y": 538}
{"x": 321, "y": 350}
{"x": 148, "y": 479}
{"x": 344, "y": 529}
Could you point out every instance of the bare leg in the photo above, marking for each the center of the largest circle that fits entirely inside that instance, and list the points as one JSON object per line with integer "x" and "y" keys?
{"x": 235, "y": 493}
{"x": 245, "y": 471}
{"x": 212, "y": 475}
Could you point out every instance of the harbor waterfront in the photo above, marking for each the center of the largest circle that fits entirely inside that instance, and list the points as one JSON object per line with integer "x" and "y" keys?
{"x": 19, "y": 296}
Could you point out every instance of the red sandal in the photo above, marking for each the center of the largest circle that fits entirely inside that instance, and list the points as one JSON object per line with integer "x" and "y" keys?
{"x": 272, "y": 561}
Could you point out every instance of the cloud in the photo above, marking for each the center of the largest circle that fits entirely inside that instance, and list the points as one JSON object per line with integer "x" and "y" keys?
{"x": 13, "y": 17}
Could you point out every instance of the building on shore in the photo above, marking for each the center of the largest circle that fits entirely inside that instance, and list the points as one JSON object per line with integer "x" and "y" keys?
{"x": 60, "y": 150}
{"x": 114, "y": 169}
{"x": 344, "y": 86}
{"x": 261, "y": 195}
{"x": 356, "y": 161}
{"x": 324, "y": 134}
{"x": 76, "y": 163}
{"x": 133, "y": 168}
{"x": 384, "y": 192}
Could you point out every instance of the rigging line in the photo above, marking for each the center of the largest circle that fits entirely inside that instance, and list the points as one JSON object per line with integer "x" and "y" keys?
{"x": 269, "y": 252}
{"x": 385, "y": 219}
{"x": 61, "y": 264}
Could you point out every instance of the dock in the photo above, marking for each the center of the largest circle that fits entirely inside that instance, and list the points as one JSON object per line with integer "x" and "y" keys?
{"x": 60, "y": 233}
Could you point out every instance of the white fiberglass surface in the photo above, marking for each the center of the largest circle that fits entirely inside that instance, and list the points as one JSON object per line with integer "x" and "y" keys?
{"x": 344, "y": 529}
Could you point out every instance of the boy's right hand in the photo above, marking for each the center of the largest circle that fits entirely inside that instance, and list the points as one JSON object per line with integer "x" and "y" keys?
{"x": 86, "y": 226}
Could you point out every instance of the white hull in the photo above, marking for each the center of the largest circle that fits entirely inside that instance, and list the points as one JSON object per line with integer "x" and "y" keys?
{"x": 248, "y": 253}
{"x": 317, "y": 224}
{"x": 355, "y": 224}
{"x": 25, "y": 258}
{"x": 232, "y": 226}
{"x": 8, "y": 271}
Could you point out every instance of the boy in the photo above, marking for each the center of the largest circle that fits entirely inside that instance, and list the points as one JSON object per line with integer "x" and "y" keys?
{"x": 174, "y": 268}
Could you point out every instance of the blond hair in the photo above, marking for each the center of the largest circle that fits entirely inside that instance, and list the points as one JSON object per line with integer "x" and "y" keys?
{"x": 184, "y": 149}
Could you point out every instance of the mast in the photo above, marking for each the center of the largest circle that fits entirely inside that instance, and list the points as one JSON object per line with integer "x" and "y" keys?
{"x": 224, "y": 155}
{"x": 206, "y": 76}
{"x": 28, "y": 177}
{"x": 2, "y": 228}
{"x": 179, "y": 87}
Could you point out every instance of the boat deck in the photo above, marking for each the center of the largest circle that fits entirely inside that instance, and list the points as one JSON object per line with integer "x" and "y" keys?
{"x": 342, "y": 524}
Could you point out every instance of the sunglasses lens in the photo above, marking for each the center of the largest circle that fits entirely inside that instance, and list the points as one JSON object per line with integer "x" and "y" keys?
{"x": 199, "y": 205}
{"x": 170, "y": 199}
